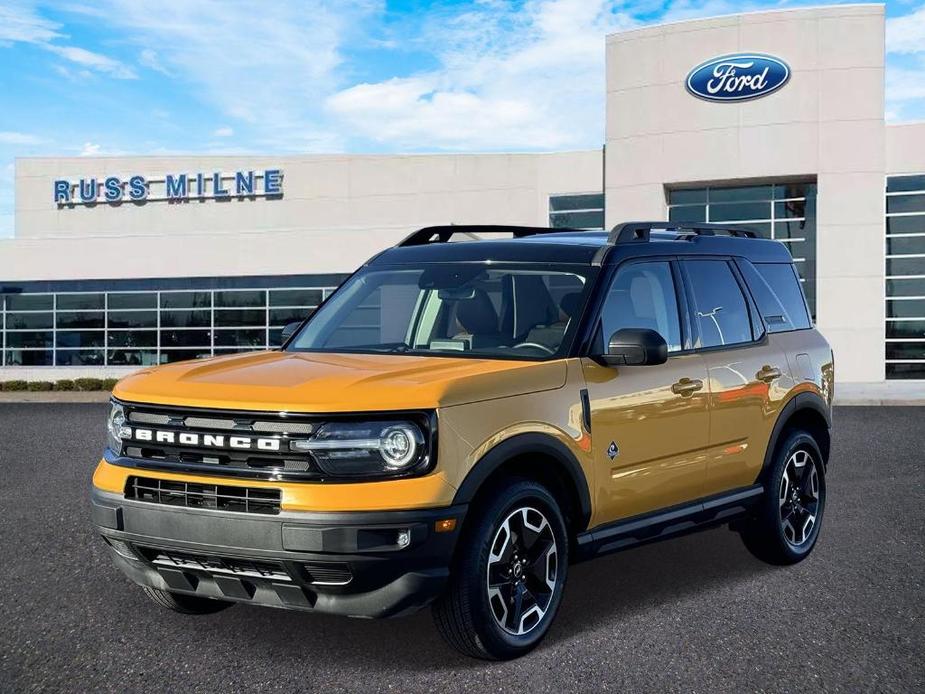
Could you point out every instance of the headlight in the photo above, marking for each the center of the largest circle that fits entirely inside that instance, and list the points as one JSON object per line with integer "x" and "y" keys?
{"x": 355, "y": 449}
{"x": 116, "y": 428}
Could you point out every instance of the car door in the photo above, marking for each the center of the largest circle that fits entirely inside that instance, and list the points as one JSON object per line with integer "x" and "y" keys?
{"x": 649, "y": 424}
{"x": 748, "y": 373}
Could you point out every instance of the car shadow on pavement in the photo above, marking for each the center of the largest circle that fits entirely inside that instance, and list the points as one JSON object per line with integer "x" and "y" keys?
{"x": 605, "y": 590}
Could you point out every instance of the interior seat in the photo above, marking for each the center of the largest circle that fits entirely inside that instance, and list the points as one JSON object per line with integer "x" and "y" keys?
{"x": 478, "y": 321}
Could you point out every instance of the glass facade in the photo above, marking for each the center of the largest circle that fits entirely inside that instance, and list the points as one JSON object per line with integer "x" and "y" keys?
{"x": 147, "y": 327}
{"x": 905, "y": 277}
{"x": 582, "y": 211}
{"x": 785, "y": 211}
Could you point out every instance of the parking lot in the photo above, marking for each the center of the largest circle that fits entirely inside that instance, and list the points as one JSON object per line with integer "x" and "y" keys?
{"x": 692, "y": 614}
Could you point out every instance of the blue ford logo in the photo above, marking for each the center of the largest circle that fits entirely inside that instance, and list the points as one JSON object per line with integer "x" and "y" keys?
{"x": 738, "y": 77}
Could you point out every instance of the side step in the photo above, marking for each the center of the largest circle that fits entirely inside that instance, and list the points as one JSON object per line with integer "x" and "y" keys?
{"x": 658, "y": 525}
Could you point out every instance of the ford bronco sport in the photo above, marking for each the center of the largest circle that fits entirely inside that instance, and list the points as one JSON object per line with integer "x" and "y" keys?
{"x": 461, "y": 421}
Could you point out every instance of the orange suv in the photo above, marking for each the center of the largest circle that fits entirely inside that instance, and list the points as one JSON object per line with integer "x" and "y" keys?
{"x": 459, "y": 422}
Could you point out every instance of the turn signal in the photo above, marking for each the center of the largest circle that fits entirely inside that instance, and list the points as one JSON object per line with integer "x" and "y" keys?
{"x": 447, "y": 525}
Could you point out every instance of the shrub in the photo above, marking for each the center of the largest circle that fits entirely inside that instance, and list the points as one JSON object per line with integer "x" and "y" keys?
{"x": 109, "y": 383}
{"x": 15, "y": 385}
{"x": 64, "y": 384}
{"x": 37, "y": 386}
{"x": 88, "y": 383}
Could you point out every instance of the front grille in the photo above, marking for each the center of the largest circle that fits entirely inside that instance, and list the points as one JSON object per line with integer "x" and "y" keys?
{"x": 213, "y": 564}
{"x": 201, "y": 441}
{"x": 207, "y": 496}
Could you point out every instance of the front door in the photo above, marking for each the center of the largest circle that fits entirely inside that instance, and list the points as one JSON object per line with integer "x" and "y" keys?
{"x": 649, "y": 424}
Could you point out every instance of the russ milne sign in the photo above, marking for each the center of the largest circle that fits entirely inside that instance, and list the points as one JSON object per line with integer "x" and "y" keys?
{"x": 738, "y": 77}
{"x": 172, "y": 187}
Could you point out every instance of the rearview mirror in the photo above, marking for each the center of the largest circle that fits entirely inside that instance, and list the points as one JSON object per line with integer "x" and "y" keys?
{"x": 636, "y": 347}
{"x": 290, "y": 329}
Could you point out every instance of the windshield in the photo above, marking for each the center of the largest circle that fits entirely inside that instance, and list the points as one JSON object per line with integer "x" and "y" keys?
{"x": 471, "y": 309}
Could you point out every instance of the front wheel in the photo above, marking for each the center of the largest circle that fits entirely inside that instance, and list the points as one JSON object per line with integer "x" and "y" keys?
{"x": 509, "y": 575}
{"x": 786, "y": 525}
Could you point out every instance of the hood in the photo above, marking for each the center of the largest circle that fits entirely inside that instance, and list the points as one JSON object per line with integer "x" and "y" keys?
{"x": 323, "y": 382}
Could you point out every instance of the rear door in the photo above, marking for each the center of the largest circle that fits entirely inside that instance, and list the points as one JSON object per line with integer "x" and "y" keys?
{"x": 650, "y": 424}
{"x": 748, "y": 373}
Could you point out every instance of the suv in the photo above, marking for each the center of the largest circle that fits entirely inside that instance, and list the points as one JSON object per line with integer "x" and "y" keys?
{"x": 459, "y": 422}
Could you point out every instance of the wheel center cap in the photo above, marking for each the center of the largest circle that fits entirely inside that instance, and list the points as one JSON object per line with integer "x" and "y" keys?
{"x": 518, "y": 570}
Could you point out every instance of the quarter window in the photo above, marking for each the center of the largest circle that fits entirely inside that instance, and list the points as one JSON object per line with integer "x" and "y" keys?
{"x": 642, "y": 296}
{"x": 720, "y": 310}
{"x": 776, "y": 290}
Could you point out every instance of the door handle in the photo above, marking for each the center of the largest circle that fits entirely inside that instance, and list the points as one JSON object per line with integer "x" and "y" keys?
{"x": 768, "y": 373}
{"x": 686, "y": 387}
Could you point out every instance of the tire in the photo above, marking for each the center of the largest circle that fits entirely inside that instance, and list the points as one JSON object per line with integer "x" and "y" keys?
{"x": 789, "y": 516}
{"x": 185, "y": 604}
{"x": 508, "y": 576}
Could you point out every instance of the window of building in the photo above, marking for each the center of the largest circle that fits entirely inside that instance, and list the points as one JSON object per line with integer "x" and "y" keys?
{"x": 642, "y": 296}
{"x": 720, "y": 309}
{"x": 905, "y": 277}
{"x": 782, "y": 211}
{"x": 142, "y": 328}
{"x": 583, "y": 211}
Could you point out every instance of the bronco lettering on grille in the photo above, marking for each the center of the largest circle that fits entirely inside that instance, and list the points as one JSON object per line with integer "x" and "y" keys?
{"x": 193, "y": 439}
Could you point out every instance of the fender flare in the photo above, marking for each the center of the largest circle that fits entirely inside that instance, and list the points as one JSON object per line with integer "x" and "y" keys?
{"x": 523, "y": 445}
{"x": 800, "y": 401}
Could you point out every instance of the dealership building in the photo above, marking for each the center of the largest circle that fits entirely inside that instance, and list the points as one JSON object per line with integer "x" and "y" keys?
{"x": 122, "y": 262}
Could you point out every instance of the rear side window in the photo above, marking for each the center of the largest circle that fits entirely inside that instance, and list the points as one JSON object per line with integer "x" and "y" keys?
{"x": 781, "y": 282}
{"x": 720, "y": 309}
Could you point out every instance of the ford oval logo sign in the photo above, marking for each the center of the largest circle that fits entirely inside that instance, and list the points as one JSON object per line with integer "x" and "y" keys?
{"x": 738, "y": 77}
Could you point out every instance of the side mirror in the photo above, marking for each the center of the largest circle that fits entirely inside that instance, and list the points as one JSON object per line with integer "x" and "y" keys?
{"x": 636, "y": 347}
{"x": 290, "y": 329}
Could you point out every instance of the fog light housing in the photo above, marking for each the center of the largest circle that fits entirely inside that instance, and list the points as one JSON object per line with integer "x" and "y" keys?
{"x": 403, "y": 539}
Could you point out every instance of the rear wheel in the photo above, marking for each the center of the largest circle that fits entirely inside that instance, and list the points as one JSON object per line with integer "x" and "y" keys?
{"x": 185, "y": 604}
{"x": 789, "y": 517}
{"x": 509, "y": 576}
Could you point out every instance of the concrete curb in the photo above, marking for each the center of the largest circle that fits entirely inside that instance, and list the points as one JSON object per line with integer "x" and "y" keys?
{"x": 878, "y": 402}
{"x": 55, "y": 396}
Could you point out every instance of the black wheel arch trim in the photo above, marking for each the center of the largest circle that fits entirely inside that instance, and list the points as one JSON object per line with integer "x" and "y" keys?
{"x": 799, "y": 402}
{"x": 526, "y": 444}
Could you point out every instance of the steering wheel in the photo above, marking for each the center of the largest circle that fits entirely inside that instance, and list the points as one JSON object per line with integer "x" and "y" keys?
{"x": 535, "y": 345}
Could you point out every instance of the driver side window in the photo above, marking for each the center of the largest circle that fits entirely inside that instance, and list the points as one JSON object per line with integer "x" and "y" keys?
{"x": 642, "y": 295}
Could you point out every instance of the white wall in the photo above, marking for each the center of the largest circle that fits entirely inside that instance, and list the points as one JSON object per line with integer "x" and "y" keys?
{"x": 826, "y": 122}
{"x": 335, "y": 212}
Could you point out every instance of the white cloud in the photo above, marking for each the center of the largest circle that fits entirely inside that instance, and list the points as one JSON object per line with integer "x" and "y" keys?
{"x": 20, "y": 23}
{"x": 90, "y": 149}
{"x": 906, "y": 34}
{"x": 149, "y": 58}
{"x": 528, "y": 77}
{"x": 93, "y": 61}
{"x": 223, "y": 132}
{"x": 270, "y": 67}
{"x": 8, "y": 137}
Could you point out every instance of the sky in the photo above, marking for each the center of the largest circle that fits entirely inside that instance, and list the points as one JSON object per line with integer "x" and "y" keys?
{"x": 117, "y": 77}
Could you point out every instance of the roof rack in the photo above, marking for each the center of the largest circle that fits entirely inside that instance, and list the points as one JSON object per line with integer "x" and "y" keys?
{"x": 636, "y": 232}
{"x": 442, "y": 234}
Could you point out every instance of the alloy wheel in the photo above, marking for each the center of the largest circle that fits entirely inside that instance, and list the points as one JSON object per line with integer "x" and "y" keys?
{"x": 799, "y": 498}
{"x": 522, "y": 571}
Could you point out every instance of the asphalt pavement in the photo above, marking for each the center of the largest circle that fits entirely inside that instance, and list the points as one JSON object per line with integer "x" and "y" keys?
{"x": 695, "y": 614}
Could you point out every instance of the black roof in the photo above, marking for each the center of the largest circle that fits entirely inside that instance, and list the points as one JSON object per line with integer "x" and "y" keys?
{"x": 574, "y": 246}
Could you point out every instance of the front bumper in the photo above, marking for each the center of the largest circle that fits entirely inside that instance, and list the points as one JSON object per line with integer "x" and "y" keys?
{"x": 347, "y": 563}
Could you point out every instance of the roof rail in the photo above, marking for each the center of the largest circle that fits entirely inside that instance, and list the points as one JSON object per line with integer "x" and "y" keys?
{"x": 633, "y": 232}
{"x": 442, "y": 234}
